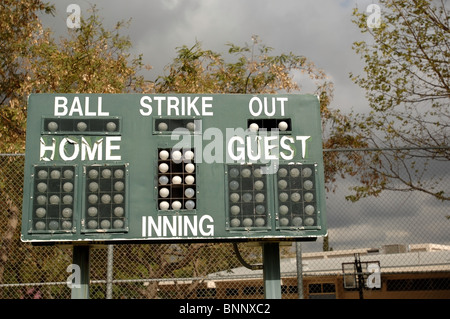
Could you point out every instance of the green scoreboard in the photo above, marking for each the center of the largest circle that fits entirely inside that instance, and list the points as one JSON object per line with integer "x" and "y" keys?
{"x": 121, "y": 168}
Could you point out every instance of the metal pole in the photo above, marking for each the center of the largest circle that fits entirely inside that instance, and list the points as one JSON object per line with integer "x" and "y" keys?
{"x": 109, "y": 272}
{"x": 298, "y": 251}
{"x": 81, "y": 259}
{"x": 271, "y": 271}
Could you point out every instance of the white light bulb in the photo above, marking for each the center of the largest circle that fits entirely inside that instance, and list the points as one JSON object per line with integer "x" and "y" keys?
{"x": 118, "y": 199}
{"x": 309, "y": 209}
{"x": 176, "y": 180}
{"x": 176, "y": 156}
{"x": 41, "y": 187}
{"x": 176, "y": 205}
{"x": 306, "y": 172}
{"x": 259, "y": 222}
{"x": 67, "y": 212}
{"x": 189, "y": 192}
{"x": 254, "y": 127}
{"x": 297, "y": 221}
{"x": 163, "y": 155}
{"x": 40, "y": 212}
{"x": 162, "y": 126}
{"x": 111, "y": 126}
{"x": 163, "y": 167}
{"x": 164, "y": 205}
{"x": 118, "y": 223}
{"x": 235, "y": 222}
{"x": 105, "y": 224}
{"x": 284, "y": 221}
{"x": 308, "y": 185}
{"x": 54, "y": 199}
{"x": 119, "y": 186}
{"x": 188, "y": 156}
{"x": 68, "y": 187}
{"x": 106, "y": 199}
{"x": 234, "y": 197}
{"x": 189, "y": 179}
{"x": 81, "y": 126}
{"x": 52, "y": 126}
{"x": 247, "y": 222}
{"x": 164, "y": 192}
{"x": 106, "y": 173}
{"x": 118, "y": 173}
{"x": 163, "y": 180}
{"x": 92, "y": 211}
{"x": 93, "y": 173}
{"x": 190, "y": 168}
{"x": 295, "y": 172}
{"x": 190, "y": 126}
{"x": 190, "y": 204}
{"x": 118, "y": 211}
{"x": 92, "y": 224}
{"x": 295, "y": 197}
{"x": 283, "y": 209}
{"x": 235, "y": 210}
{"x": 282, "y": 126}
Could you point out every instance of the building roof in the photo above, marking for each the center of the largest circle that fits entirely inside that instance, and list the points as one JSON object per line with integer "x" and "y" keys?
{"x": 392, "y": 259}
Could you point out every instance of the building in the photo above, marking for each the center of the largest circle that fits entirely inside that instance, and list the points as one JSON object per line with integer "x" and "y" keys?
{"x": 419, "y": 271}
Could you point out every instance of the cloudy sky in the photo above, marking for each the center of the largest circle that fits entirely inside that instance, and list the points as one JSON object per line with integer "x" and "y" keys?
{"x": 320, "y": 30}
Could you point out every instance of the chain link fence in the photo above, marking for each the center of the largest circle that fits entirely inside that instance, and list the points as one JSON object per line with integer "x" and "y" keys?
{"x": 395, "y": 245}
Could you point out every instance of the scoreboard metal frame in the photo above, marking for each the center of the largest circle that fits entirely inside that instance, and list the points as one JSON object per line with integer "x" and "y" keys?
{"x": 121, "y": 168}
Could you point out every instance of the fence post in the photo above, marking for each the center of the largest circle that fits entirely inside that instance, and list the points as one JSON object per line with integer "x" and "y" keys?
{"x": 298, "y": 251}
{"x": 109, "y": 272}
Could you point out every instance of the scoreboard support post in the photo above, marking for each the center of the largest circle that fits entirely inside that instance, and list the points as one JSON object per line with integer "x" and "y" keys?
{"x": 81, "y": 258}
{"x": 271, "y": 271}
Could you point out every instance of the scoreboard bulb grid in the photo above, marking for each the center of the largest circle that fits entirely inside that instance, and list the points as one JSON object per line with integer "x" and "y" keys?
{"x": 176, "y": 179}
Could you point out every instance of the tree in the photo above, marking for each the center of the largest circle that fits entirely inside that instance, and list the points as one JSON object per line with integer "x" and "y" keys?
{"x": 90, "y": 59}
{"x": 407, "y": 83}
{"x": 21, "y": 32}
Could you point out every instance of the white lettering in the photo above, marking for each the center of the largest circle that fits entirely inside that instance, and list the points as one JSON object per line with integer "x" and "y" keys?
{"x": 109, "y": 148}
{"x": 264, "y": 106}
{"x": 177, "y": 106}
{"x": 172, "y": 103}
{"x": 99, "y": 104}
{"x": 175, "y": 226}
{"x": 303, "y": 140}
{"x": 210, "y": 227}
{"x": 60, "y": 108}
{"x": 147, "y": 106}
{"x": 285, "y": 146}
{"x": 62, "y": 149}
{"x": 206, "y": 106}
{"x": 241, "y": 150}
{"x": 44, "y": 148}
{"x": 82, "y": 148}
{"x": 86, "y": 103}
{"x": 252, "y": 146}
{"x": 91, "y": 152}
{"x": 250, "y": 105}
{"x": 191, "y": 105}
{"x": 268, "y": 146}
{"x": 76, "y": 107}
